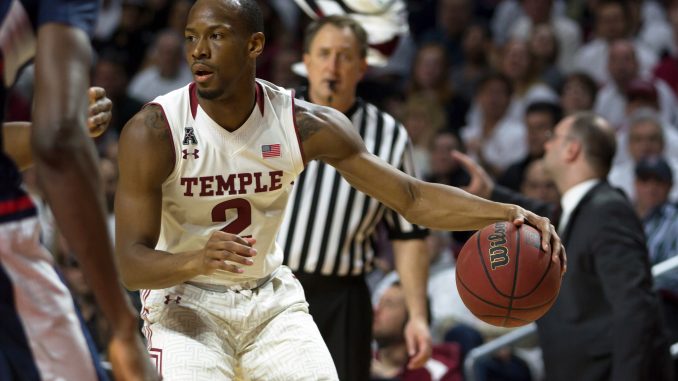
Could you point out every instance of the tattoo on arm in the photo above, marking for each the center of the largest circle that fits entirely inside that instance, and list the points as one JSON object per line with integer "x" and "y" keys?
{"x": 307, "y": 123}
{"x": 154, "y": 118}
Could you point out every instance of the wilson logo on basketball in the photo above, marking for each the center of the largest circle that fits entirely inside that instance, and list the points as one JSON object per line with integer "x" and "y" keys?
{"x": 498, "y": 250}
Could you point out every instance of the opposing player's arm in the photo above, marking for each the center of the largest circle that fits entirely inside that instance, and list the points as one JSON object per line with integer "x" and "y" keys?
{"x": 146, "y": 159}
{"x": 329, "y": 136}
{"x": 67, "y": 171}
{"x": 18, "y": 134}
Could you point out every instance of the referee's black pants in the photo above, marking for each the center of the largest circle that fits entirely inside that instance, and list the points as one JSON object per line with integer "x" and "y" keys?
{"x": 342, "y": 309}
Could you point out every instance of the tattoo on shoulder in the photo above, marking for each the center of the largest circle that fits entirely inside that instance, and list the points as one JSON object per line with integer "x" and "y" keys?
{"x": 153, "y": 118}
{"x": 307, "y": 123}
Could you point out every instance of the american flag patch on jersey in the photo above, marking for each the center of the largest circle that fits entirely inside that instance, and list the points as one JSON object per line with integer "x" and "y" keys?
{"x": 270, "y": 150}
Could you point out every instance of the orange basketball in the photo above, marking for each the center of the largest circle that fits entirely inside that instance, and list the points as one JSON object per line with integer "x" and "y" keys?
{"x": 504, "y": 277}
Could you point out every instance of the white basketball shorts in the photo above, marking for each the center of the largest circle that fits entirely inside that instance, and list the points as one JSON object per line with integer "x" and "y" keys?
{"x": 264, "y": 333}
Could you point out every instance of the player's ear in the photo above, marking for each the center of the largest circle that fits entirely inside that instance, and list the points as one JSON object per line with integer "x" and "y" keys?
{"x": 256, "y": 44}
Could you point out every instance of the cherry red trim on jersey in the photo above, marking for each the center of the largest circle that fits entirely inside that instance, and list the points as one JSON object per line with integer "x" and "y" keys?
{"x": 17, "y": 205}
{"x": 296, "y": 130}
{"x": 193, "y": 98}
{"x": 169, "y": 131}
{"x": 260, "y": 97}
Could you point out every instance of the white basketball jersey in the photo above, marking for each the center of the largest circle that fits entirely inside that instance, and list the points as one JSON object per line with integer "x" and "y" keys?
{"x": 238, "y": 182}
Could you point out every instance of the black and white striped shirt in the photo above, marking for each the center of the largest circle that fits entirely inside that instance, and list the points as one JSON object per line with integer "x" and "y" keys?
{"x": 329, "y": 226}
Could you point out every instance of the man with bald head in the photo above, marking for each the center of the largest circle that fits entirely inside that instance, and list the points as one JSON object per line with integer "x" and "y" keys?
{"x": 205, "y": 175}
{"x": 606, "y": 322}
{"x": 624, "y": 70}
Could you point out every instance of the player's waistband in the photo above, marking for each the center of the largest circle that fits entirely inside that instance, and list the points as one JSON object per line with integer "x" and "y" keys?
{"x": 16, "y": 208}
{"x": 246, "y": 285}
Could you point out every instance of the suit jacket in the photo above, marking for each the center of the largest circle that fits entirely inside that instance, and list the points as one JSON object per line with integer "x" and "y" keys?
{"x": 606, "y": 323}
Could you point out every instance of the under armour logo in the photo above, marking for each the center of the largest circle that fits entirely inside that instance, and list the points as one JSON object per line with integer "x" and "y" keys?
{"x": 189, "y": 136}
{"x": 168, "y": 299}
{"x": 194, "y": 153}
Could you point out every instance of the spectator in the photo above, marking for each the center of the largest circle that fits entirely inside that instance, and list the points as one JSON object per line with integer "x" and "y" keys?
{"x": 540, "y": 118}
{"x": 565, "y": 30}
{"x": 667, "y": 68}
{"x": 544, "y": 48}
{"x": 423, "y": 119}
{"x": 612, "y": 22}
{"x": 654, "y": 179}
{"x": 430, "y": 77}
{"x": 444, "y": 169}
{"x": 518, "y": 64}
{"x": 646, "y": 138}
{"x": 494, "y": 138}
{"x": 390, "y": 358}
{"x": 578, "y": 93}
{"x": 167, "y": 71}
{"x": 131, "y": 35}
{"x": 652, "y": 32}
{"x": 625, "y": 76}
{"x": 538, "y": 185}
{"x": 109, "y": 73}
{"x": 453, "y": 17}
{"x": 477, "y": 46}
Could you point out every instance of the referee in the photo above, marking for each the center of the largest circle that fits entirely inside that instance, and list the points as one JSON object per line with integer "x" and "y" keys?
{"x": 329, "y": 229}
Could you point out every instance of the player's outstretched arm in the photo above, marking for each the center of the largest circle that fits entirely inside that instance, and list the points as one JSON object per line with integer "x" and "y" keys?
{"x": 329, "y": 136}
{"x": 146, "y": 159}
{"x": 18, "y": 134}
{"x": 66, "y": 168}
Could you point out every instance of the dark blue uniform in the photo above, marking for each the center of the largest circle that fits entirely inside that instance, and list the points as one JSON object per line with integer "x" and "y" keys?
{"x": 19, "y": 23}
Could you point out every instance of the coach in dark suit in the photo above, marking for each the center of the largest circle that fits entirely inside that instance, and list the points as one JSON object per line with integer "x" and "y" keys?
{"x": 605, "y": 324}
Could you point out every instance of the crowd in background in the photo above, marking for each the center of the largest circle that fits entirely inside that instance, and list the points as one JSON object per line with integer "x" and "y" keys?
{"x": 487, "y": 77}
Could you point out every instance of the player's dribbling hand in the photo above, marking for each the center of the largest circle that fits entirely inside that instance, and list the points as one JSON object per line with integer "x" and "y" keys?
{"x": 482, "y": 185}
{"x": 129, "y": 359}
{"x": 226, "y": 251}
{"x": 99, "y": 112}
{"x": 549, "y": 238}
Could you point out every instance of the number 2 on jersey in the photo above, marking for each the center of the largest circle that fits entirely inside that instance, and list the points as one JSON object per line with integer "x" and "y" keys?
{"x": 242, "y": 220}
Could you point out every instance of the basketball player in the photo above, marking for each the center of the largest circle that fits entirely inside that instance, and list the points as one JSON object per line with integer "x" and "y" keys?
{"x": 40, "y": 335}
{"x": 205, "y": 174}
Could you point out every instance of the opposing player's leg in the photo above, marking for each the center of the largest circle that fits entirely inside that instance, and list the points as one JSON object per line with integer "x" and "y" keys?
{"x": 184, "y": 340}
{"x": 287, "y": 345}
{"x": 43, "y": 306}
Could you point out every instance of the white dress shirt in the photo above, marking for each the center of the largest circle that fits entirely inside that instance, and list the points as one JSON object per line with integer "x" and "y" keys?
{"x": 571, "y": 199}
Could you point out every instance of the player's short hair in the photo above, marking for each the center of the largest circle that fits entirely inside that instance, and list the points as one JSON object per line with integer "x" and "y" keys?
{"x": 339, "y": 22}
{"x": 251, "y": 13}
{"x": 598, "y": 140}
